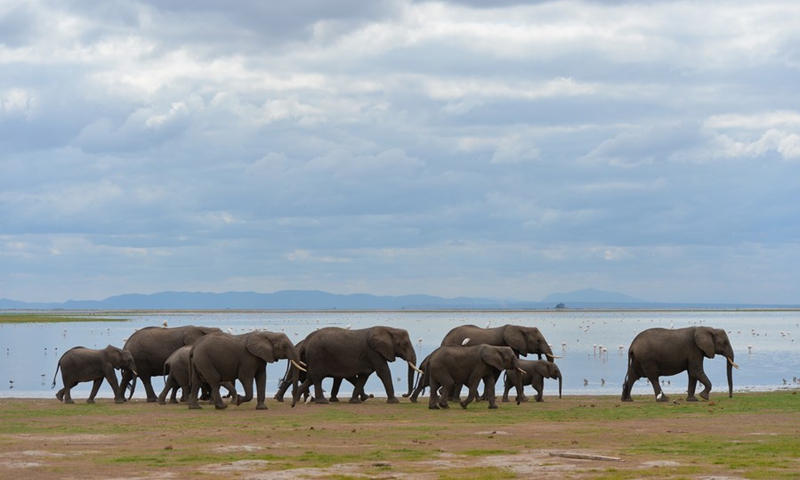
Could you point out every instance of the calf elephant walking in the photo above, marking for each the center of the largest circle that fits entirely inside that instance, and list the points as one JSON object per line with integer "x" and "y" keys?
{"x": 535, "y": 373}
{"x": 80, "y": 364}
{"x": 448, "y": 366}
{"x": 662, "y": 352}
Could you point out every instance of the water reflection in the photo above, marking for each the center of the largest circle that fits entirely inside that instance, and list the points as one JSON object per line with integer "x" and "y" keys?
{"x": 593, "y": 345}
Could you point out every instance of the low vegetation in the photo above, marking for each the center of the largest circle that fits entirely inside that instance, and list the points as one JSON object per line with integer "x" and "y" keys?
{"x": 752, "y": 435}
{"x": 55, "y": 317}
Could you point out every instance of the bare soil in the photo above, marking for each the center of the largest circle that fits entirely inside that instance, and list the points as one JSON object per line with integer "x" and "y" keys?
{"x": 372, "y": 440}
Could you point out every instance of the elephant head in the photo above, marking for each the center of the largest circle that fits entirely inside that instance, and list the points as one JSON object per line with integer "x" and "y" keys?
{"x": 120, "y": 359}
{"x": 712, "y": 341}
{"x": 550, "y": 370}
{"x": 391, "y": 343}
{"x": 502, "y": 358}
{"x": 525, "y": 340}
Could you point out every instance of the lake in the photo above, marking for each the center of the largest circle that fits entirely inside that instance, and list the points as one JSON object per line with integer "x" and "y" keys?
{"x": 764, "y": 343}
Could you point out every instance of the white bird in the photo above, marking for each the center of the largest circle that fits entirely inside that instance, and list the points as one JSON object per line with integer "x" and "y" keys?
{"x": 466, "y": 341}
{"x": 230, "y": 330}
{"x": 164, "y": 324}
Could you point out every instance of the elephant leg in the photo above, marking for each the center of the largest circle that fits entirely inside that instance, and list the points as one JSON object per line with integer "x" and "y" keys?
{"x": 521, "y": 397}
{"x": 319, "y": 394}
{"x": 660, "y": 397}
{"x": 627, "y": 386}
{"x": 489, "y": 390}
{"x": 691, "y": 388}
{"x": 248, "y": 392}
{"x": 383, "y": 372}
{"x": 539, "y": 387}
{"x": 701, "y": 376}
{"x": 261, "y": 389}
{"x": 506, "y": 388}
{"x": 337, "y": 384}
{"x": 433, "y": 400}
{"x": 95, "y": 387}
{"x": 455, "y": 393}
{"x": 68, "y": 392}
{"x": 148, "y": 387}
{"x": 472, "y": 394}
{"x": 169, "y": 385}
{"x": 358, "y": 389}
{"x": 231, "y": 388}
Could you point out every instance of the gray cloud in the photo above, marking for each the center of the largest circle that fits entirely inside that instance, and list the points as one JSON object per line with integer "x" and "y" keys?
{"x": 400, "y": 147}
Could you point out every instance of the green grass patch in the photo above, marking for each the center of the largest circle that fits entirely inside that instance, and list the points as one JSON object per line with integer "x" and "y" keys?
{"x": 54, "y": 317}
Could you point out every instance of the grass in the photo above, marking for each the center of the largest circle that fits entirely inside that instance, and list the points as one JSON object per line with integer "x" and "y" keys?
{"x": 753, "y": 435}
{"x": 54, "y": 317}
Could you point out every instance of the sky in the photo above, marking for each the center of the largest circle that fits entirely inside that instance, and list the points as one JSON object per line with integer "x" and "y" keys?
{"x": 397, "y": 147}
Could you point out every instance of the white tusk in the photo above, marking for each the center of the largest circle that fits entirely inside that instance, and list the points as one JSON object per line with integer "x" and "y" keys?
{"x": 415, "y": 368}
{"x": 733, "y": 364}
{"x": 521, "y": 371}
{"x": 466, "y": 341}
{"x": 552, "y": 356}
{"x": 297, "y": 365}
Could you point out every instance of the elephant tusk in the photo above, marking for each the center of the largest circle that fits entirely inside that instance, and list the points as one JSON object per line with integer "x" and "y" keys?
{"x": 466, "y": 341}
{"x": 297, "y": 365}
{"x": 551, "y": 355}
{"x": 415, "y": 368}
{"x": 521, "y": 371}
{"x": 733, "y": 364}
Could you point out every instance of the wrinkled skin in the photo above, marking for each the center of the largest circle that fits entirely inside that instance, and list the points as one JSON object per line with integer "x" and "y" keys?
{"x": 660, "y": 352}
{"x": 535, "y": 373}
{"x": 151, "y": 346}
{"x": 221, "y": 357}
{"x": 80, "y": 364}
{"x": 523, "y": 340}
{"x": 355, "y": 354}
{"x": 449, "y": 366}
{"x": 176, "y": 368}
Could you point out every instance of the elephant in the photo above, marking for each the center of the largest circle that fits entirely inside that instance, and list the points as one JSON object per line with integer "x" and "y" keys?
{"x": 151, "y": 346}
{"x": 81, "y": 364}
{"x": 523, "y": 340}
{"x": 286, "y": 381}
{"x": 535, "y": 373}
{"x": 468, "y": 365}
{"x": 659, "y": 352}
{"x": 355, "y": 354}
{"x": 220, "y": 357}
{"x": 176, "y": 369}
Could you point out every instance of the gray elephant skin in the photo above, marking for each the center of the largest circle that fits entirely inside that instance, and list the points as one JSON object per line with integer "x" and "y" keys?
{"x": 660, "y": 352}
{"x": 468, "y": 365}
{"x": 221, "y": 357}
{"x": 179, "y": 376}
{"x": 535, "y": 373}
{"x": 286, "y": 381}
{"x": 81, "y": 364}
{"x": 356, "y": 354}
{"x": 523, "y": 340}
{"x": 151, "y": 346}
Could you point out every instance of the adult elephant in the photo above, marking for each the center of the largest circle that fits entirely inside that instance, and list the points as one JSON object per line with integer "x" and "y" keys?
{"x": 535, "y": 373}
{"x": 657, "y": 352}
{"x": 222, "y": 357}
{"x": 449, "y": 366}
{"x": 81, "y": 364}
{"x": 355, "y": 354}
{"x": 151, "y": 346}
{"x": 523, "y": 340}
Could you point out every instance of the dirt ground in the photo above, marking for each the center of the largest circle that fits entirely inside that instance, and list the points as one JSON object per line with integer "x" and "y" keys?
{"x": 373, "y": 440}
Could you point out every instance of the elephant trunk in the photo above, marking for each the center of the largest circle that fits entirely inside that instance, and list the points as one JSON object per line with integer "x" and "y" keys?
{"x": 560, "y": 381}
{"x": 730, "y": 366}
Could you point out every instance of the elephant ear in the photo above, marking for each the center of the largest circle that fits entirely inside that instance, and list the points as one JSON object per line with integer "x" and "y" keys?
{"x": 261, "y": 347}
{"x": 514, "y": 338}
{"x": 705, "y": 341}
{"x": 491, "y": 356}
{"x": 191, "y": 334}
{"x": 380, "y": 340}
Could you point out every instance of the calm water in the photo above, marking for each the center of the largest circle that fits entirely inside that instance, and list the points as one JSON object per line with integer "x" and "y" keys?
{"x": 764, "y": 343}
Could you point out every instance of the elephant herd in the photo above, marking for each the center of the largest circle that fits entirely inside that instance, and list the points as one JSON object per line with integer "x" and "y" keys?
{"x": 200, "y": 360}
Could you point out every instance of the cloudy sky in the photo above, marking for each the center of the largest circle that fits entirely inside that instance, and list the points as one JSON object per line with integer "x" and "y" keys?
{"x": 398, "y": 147}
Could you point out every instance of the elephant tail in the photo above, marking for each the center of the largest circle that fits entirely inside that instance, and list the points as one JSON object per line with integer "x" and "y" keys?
{"x": 55, "y": 375}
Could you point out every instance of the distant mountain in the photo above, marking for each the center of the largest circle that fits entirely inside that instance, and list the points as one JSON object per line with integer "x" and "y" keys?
{"x": 590, "y": 295}
{"x": 282, "y": 300}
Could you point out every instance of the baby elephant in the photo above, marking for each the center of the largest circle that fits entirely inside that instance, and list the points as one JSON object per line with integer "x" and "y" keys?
{"x": 535, "y": 373}
{"x": 176, "y": 368}
{"x": 451, "y": 365}
{"x": 80, "y": 364}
